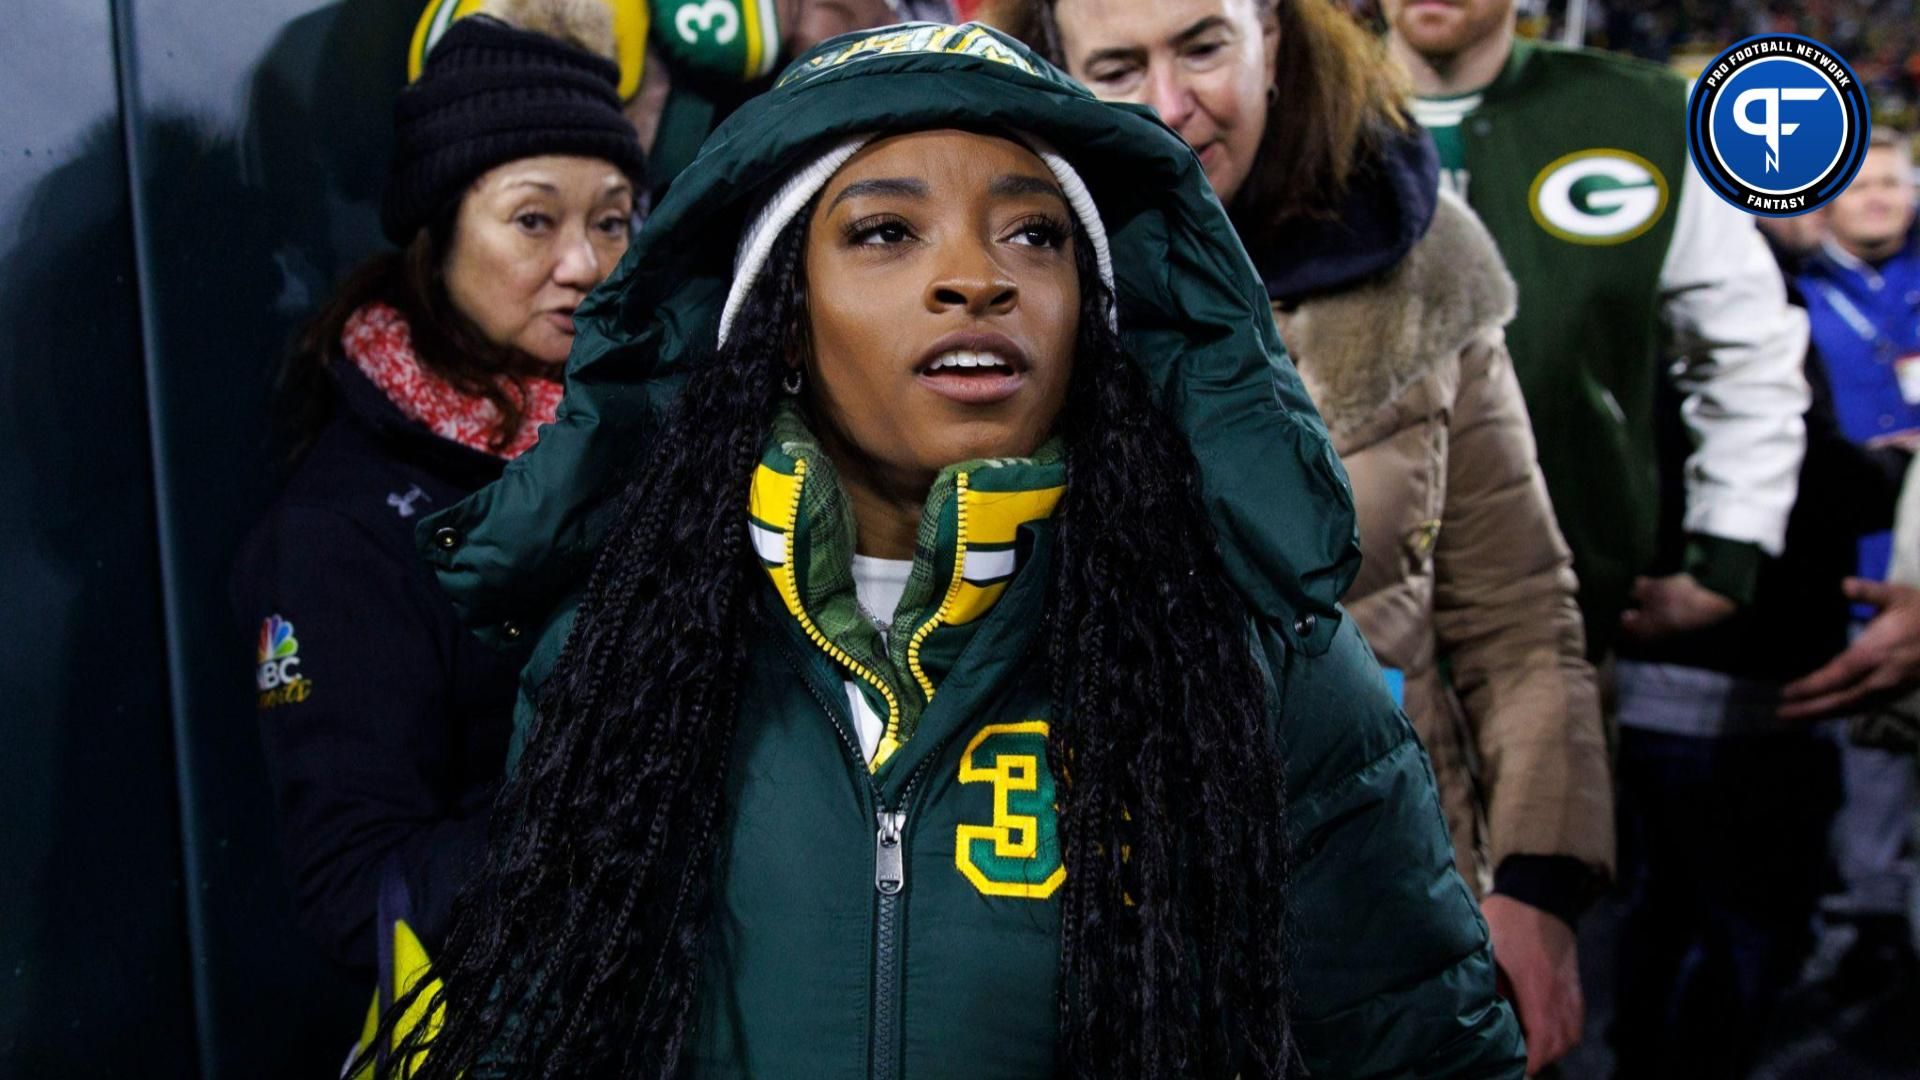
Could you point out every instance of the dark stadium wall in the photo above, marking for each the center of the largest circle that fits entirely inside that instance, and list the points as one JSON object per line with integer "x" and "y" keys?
{"x": 182, "y": 181}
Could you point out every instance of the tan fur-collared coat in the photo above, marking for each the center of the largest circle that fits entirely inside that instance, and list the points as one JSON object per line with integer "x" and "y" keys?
{"x": 1466, "y": 587}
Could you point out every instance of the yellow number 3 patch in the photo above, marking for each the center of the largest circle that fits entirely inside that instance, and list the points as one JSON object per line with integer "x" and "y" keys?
{"x": 1019, "y": 854}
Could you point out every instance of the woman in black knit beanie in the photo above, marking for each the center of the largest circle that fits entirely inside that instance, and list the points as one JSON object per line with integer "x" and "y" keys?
{"x": 510, "y": 197}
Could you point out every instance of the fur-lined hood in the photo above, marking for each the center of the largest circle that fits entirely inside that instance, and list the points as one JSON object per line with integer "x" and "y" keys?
{"x": 1360, "y": 349}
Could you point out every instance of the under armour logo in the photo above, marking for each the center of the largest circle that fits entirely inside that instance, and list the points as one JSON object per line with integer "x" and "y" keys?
{"x": 404, "y": 503}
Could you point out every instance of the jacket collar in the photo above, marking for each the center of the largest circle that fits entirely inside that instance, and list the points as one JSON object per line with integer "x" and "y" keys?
{"x": 1841, "y": 259}
{"x": 1835, "y": 261}
{"x": 1388, "y": 206}
{"x": 1512, "y": 80}
{"x": 967, "y": 552}
{"x": 1361, "y": 348}
{"x": 367, "y": 407}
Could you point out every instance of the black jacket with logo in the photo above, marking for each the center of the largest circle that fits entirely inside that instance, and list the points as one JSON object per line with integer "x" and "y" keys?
{"x": 384, "y": 721}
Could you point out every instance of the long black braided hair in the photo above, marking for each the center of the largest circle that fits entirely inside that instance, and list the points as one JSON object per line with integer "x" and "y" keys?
{"x": 576, "y": 952}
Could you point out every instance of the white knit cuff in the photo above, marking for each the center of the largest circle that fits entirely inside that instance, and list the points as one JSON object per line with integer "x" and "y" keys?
{"x": 1081, "y": 200}
{"x": 756, "y": 242}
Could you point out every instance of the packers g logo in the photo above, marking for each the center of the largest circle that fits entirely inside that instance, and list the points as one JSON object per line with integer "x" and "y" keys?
{"x": 1019, "y": 854}
{"x": 1598, "y": 197}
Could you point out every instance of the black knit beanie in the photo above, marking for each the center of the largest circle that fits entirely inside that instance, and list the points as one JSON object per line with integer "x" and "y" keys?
{"x": 491, "y": 93}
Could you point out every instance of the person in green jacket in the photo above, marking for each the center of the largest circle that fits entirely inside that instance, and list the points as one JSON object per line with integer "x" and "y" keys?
{"x": 937, "y": 669}
{"x": 1653, "y": 328}
{"x": 1631, "y": 273}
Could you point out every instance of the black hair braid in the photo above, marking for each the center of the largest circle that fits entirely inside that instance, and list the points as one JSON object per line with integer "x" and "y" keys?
{"x": 576, "y": 952}
{"x": 1173, "y": 955}
{"x": 594, "y": 893}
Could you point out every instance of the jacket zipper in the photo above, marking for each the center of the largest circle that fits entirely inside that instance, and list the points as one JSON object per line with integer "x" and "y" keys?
{"x": 839, "y": 655}
{"x": 889, "y": 886}
{"x": 945, "y": 610}
{"x": 889, "y": 881}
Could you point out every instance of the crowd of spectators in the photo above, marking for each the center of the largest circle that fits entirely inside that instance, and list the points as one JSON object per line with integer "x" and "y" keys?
{"x": 1879, "y": 38}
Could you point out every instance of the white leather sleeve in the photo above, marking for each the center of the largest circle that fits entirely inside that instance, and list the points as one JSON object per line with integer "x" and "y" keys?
{"x": 1739, "y": 350}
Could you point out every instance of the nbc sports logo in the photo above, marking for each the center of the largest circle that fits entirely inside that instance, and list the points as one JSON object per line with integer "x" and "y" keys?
{"x": 277, "y": 677}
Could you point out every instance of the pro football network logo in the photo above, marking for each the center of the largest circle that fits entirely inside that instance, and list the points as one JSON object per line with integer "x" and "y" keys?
{"x": 1778, "y": 125}
{"x": 278, "y": 680}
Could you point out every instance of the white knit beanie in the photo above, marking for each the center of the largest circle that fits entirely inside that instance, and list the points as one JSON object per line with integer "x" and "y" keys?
{"x": 756, "y": 243}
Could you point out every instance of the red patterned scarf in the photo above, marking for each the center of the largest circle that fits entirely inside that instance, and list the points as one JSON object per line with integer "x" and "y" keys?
{"x": 379, "y": 342}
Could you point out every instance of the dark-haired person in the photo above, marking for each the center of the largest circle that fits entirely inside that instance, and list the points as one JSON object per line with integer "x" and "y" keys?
{"x": 1391, "y": 300}
{"x": 1862, "y": 290}
{"x": 385, "y": 723}
{"x": 956, "y": 686}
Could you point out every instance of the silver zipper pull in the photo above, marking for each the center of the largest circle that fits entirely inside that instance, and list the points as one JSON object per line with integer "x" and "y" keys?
{"x": 889, "y": 853}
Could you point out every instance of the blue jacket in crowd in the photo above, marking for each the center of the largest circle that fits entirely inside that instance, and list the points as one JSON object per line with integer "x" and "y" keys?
{"x": 1866, "y": 324}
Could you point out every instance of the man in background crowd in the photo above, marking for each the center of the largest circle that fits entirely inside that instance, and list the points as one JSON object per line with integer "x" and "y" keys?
{"x": 1862, "y": 291}
{"x": 1607, "y": 287}
{"x": 1648, "y": 303}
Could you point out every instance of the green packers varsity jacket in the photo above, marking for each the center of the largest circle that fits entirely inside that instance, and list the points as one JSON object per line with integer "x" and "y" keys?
{"x": 899, "y": 917}
{"x": 1577, "y": 162}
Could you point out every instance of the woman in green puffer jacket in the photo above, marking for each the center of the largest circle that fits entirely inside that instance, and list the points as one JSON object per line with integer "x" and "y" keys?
{"x": 928, "y": 681}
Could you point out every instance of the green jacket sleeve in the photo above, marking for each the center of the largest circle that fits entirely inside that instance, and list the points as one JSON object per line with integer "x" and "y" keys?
{"x": 1198, "y": 325}
{"x": 1393, "y": 972}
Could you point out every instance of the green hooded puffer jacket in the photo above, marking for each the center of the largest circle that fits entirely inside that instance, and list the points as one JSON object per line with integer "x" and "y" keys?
{"x": 897, "y": 920}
